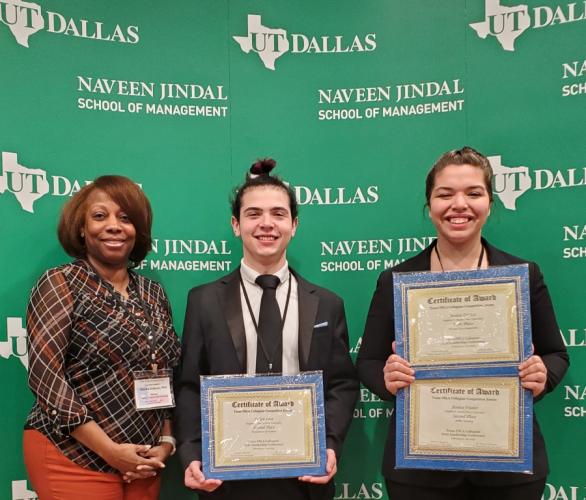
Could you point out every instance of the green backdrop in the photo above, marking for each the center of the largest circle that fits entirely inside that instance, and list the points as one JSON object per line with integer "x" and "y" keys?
{"x": 354, "y": 99}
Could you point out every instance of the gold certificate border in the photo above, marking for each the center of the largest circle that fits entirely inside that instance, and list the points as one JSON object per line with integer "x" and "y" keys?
{"x": 447, "y": 288}
{"x": 516, "y": 438}
{"x": 305, "y": 393}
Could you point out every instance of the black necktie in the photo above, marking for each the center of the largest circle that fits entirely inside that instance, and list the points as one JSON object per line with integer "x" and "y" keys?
{"x": 269, "y": 327}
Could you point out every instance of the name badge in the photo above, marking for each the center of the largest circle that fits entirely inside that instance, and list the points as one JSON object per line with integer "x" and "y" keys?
{"x": 153, "y": 391}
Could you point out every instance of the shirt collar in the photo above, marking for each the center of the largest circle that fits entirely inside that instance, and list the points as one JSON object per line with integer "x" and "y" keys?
{"x": 248, "y": 274}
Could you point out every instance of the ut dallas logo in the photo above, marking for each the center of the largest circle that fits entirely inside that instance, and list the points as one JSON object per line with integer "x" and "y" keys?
{"x": 271, "y": 43}
{"x": 21, "y": 492}
{"x": 25, "y": 19}
{"x": 15, "y": 343}
{"x": 26, "y": 184}
{"x": 507, "y": 23}
{"x": 509, "y": 182}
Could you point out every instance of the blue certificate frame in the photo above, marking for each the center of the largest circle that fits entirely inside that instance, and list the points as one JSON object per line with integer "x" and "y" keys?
{"x": 446, "y": 419}
{"x": 258, "y": 427}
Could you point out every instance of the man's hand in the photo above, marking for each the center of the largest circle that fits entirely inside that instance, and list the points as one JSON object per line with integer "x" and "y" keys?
{"x": 195, "y": 479}
{"x": 331, "y": 469}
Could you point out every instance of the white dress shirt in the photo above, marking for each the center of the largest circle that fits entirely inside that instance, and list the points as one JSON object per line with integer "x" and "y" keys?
{"x": 291, "y": 328}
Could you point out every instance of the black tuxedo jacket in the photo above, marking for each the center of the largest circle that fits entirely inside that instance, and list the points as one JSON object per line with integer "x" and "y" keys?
{"x": 379, "y": 333}
{"x": 214, "y": 343}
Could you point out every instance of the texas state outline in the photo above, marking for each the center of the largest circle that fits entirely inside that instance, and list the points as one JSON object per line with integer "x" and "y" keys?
{"x": 255, "y": 28}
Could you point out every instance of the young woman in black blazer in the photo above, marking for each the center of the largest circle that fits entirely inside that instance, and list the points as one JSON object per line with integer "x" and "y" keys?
{"x": 459, "y": 198}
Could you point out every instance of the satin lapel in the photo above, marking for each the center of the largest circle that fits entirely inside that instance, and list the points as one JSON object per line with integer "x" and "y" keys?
{"x": 233, "y": 311}
{"x": 308, "y": 304}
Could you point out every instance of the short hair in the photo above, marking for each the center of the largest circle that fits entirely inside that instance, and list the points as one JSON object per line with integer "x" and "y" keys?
{"x": 259, "y": 176}
{"x": 464, "y": 156}
{"x": 123, "y": 191}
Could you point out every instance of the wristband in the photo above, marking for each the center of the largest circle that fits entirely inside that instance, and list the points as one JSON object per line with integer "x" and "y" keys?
{"x": 170, "y": 440}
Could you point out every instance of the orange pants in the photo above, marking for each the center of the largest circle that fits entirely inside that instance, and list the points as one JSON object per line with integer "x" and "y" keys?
{"x": 55, "y": 477}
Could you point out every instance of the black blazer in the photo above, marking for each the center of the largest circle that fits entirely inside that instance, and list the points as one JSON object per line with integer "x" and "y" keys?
{"x": 379, "y": 333}
{"x": 214, "y": 343}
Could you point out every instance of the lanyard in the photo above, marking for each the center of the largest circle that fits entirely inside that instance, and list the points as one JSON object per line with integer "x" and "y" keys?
{"x": 479, "y": 258}
{"x": 254, "y": 322}
{"x": 151, "y": 333}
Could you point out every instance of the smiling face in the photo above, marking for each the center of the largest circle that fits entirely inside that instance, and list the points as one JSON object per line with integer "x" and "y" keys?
{"x": 265, "y": 226}
{"x": 459, "y": 204}
{"x": 109, "y": 235}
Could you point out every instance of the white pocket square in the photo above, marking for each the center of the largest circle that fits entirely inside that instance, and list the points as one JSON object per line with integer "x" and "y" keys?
{"x": 321, "y": 325}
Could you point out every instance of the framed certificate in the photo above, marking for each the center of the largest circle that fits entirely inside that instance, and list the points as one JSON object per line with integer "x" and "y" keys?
{"x": 256, "y": 427}
{"x": 465, "y": 334}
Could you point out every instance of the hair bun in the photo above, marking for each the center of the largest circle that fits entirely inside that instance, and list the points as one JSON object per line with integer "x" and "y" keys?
{"x": 263, "y": 167}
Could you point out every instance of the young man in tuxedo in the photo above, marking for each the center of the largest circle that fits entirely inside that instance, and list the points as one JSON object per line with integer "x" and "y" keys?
{"x": 223, "y": 334}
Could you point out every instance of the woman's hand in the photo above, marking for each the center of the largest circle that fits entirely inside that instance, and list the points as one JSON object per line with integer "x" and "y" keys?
{"x": 533, "y": 375}
{"x": 160, "y": 452}
{"x": 133, "y": 458}
{"x": 124, "y": 457}
{"x": 397, "y": 373}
